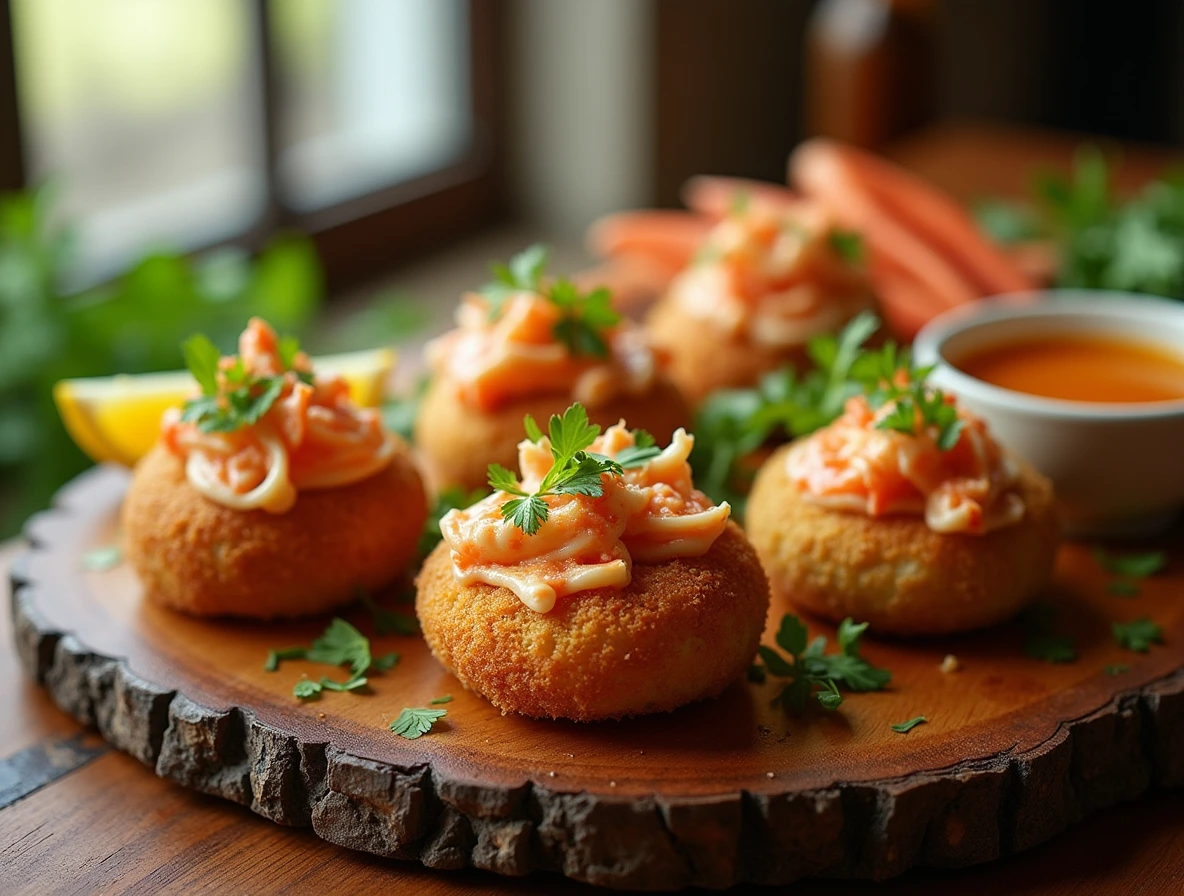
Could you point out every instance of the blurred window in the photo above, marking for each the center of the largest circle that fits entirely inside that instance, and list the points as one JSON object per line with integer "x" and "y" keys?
{"x": 185, "y": 123}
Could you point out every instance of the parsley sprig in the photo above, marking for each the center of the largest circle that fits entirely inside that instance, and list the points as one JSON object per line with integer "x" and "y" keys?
{"x": 813, "y": 672}
{"x": 584, "y": 316}
{"x": 413, "y": 722}
{"x": 1138, "y": 634}
{"x": 575, "y": 470}
{"x": 340, "y": 645}
{"x": 240, "y": 398}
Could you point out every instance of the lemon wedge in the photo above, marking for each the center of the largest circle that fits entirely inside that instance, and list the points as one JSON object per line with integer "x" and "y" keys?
{"x": 117, "y": 418}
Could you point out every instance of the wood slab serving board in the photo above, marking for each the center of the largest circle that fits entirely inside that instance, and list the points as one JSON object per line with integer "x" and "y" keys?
{"x": 722, "y": 792}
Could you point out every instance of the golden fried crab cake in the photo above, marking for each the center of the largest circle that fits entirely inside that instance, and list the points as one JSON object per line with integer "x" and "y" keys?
{"x": 770, "y": 277}
{"x": 886, "y": 527}
{"x": 635, "y": 594}
{"x": 270, "y": 495}
{"x": 534, "y": 347}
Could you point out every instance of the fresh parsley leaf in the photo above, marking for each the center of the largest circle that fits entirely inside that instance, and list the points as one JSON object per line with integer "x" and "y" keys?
{"x": 388, "y": 622}
{"x": 342, "y": 645}
{"x": 202, "y": 358}
{"x": 435, "y": 701}
{"x": 524, "y": 273}
{"x": 1138, "y": 634}
{"x": 848, "y": 245}
{"x": 102, "y": 559}
{"x": 352, "y": 684}
{"x": 641, "y": 452}
{"x": 1007, "y": 222}
{"x": 1114, "y": 669}
{"x": 306, "y": 689}
{"x": 386, "y": 662}
{"x": 812, "y": 671}
{"x": 1050, "y": 648}
{"x": 906, "y": 727}
{"x": 1132, "y": 566}
{"x": 287, "y": 347}
{"x": 532, "y": 429}
{"x": 574, "y": 471}
{"x": 1122, "y": 588}
{"x": 275, "y": 657}
{"x": 415, "y": 722}
{"x": 454, "y": 498}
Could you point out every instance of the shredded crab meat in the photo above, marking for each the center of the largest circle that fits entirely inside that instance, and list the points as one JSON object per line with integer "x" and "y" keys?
{"x": 649, "y": 514}
{"x": 852, "y": 466}
{"x": 770, "y": 273}
{"x": 312, "y": 437}
{"x": 494, "y": 359}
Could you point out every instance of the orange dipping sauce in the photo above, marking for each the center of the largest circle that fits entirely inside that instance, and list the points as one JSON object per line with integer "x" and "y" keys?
{"x": 1081, "y": 368}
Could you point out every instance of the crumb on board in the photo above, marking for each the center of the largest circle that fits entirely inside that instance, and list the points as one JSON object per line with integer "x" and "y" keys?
{"x": 769, "y": 774}
{"x": 950, "y": 664}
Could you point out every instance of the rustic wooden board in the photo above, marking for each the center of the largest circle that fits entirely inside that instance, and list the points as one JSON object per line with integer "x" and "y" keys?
{"x": 718, "y": 793}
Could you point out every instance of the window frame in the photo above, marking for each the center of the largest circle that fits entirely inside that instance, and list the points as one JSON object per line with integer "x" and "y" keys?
{"x": 362, "y": 237}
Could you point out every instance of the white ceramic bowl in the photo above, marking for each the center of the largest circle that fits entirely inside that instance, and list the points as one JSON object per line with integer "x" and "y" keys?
{"x": 1118, "y": 469}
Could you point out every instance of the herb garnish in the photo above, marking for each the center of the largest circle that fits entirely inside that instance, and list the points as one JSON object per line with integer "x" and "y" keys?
{"x": 1138, "y": 634}
{"x": 1131, "y": 566}
{"x": 454, "y": 498}
{"x": 812, "y": 671}
{"x": 102, "y": 559}
{"x": 575, "y": 470}
{"x": 447, "y": 698}
{"x": 340, "y": 645}
{"x": 848, "y": 245}
{"x": 414, "y": 722}
{"x": 246, "y": 398}
{"x": 1040, "y": 642}
{"x": 1116, "y": 669}
{"x": 584, "y": 316}
{"x": 906, "y": 727}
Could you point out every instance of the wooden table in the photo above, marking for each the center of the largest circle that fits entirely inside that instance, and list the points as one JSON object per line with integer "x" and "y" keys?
{"x": 76, "y": 816}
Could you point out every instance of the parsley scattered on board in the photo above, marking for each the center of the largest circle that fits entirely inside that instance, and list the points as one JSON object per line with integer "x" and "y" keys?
{"x": 814, "y": 673}
{"x": 102, "y": 559}
{"x": 1041, "y": 642}
{"x": 1116, "y": 669}
{"x": 1131, "y": 566}
{"x": 1138, "y": 634}
{"x": 415, "y": 722}
{"x": 584, "y": 316}
{"x": 435, "y": 701}
{"x": 340, "y": 645}
{"x": 575, "y": 470}
{"x": 906, "y": 727}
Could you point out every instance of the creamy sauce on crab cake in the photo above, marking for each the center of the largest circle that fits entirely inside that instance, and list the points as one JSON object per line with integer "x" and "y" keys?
{"x": 646, "y": 513}
{"x": 267, "y": 427}
{"x": 858, "y": 464}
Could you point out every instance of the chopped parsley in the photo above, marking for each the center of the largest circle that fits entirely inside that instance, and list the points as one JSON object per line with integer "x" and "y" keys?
{"x": 1131, "y": 566}
{"x": 415, "y": 722}
{"x": 339, "y": 645}
{"x": 584, "y": 317}
{"x": 245, "y": 398}
{"x": 102, "y": 559}
{"x": 814, "y": 673}
{"x": 848, "y": 245}
{"x": 435, "y": 701}
{"x": 454, "y": 498}
{"x": 1116, "y": 669}
{"x": 575, "y": 470}
{"x": 1041, "y": 642}
{"x": 906, "y": 727}
{"x": 1138, "y": 634}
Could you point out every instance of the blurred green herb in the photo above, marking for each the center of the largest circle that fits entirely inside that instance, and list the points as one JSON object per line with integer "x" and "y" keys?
{"x": 1138, "y": 634}
{"x": 50, "y": 331}
{"x": 906, "y": 727}
{"x": 813, "y": 672}
{"x": 102, "y": 559}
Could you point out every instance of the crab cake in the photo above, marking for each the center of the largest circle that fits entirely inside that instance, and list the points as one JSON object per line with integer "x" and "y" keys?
{"x": 534, "y": 345}
{"x": 769, "y": 278}
{"x": 270, "y": 495}
{"x": 682, "y": 630}
{"x": 459, "y": 443}
{"x": 200, "y": 557}
{"x": 620, "y": 590}
{"x": 895, "y": 572}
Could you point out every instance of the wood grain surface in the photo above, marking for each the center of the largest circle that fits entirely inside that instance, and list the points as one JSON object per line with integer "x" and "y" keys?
{"x": 722, "y": 792}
